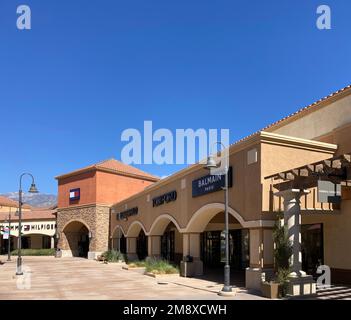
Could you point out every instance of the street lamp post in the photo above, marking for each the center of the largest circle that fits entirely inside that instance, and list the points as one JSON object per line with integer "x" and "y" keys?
{"x": 211, "y": 164}
{"x": 32, "y": 189}
{"x": 9, "y": 240}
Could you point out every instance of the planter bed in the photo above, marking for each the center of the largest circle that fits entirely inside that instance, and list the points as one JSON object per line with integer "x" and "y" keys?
{"x": 160, "y": 275}
{"x": 136, "y": 269}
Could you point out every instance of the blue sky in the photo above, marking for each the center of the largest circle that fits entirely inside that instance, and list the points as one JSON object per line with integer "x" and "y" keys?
{"x": 90, "y": 69}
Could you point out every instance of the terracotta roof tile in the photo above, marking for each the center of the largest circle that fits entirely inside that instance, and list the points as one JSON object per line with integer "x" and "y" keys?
{"x": 7, "y": 202}
{"x": 116, "y": 166}
{"x": 34, "y": 214}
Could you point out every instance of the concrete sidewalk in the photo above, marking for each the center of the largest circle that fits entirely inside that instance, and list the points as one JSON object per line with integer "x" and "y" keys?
{"x": 76, "y": 278}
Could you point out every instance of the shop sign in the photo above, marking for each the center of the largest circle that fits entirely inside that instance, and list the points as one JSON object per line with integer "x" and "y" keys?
{"x": 329, "y": 192}
{"x": 127, "y": 213}
{"x": 165, "y": 198}
{"x": 6, "y": 233}
{"x": 31, "y": 227}
{"x": 74, "y": 194}
{"x": 211, "y": 183}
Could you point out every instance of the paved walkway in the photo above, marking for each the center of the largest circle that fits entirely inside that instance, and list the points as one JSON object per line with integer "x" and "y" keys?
{"x": 76, "y": 278}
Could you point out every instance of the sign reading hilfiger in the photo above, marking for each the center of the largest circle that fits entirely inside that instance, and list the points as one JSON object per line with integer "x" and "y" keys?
{"x": 211, "y": 183}
{"x": 46, "y": 227}
{"x": 165, "y": 198}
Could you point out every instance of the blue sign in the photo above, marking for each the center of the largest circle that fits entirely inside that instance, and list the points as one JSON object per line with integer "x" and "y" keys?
{"x": 211, "y": 183}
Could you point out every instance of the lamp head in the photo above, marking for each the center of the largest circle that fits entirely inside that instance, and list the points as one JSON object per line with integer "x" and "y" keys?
{"x": 211, "y": 163}
{"x": 33, "y": 189}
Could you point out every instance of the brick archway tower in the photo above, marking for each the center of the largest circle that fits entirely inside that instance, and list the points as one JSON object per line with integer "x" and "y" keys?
{"x": 87, "y": 194}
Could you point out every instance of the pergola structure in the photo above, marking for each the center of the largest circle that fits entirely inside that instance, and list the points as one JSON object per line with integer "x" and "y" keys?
{"x": 336, "y": 170}
{"x": 291, "y": 185}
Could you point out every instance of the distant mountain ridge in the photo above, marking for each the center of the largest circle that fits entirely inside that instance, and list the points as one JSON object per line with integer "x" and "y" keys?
{"x": 40, "y": 200}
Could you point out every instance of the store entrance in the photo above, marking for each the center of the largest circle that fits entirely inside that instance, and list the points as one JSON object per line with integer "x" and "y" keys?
{"x": 213, "y": 249}
{"x": 141, "y": 245}
{"x": 167, "y": 245}
{"x": 213, "y": 255}
{"x": 5, "y": 243}
{"x": 312, "y": 247}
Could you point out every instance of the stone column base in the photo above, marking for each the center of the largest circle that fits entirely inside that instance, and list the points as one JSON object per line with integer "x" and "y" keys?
{"x": 92, "y": 255}
{"x": 255, "y": 276}
{"x": 301, "y": 286}
{"x": 191, "y": 269}
{"x": 66, "y": 254}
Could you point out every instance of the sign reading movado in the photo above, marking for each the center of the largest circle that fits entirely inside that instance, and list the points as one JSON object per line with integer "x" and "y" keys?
{"x": 127, "y": 213}
{"x": 165, "y": 198}
{"x": 211, "y": 183}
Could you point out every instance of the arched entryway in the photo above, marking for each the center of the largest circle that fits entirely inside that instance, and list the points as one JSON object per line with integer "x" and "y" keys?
{"x": 77, "y": 237}
{"x": 137, "y": 242}
{"x": 167, "y": 241}
{"x": 118, "y": 241}
{"x": 213, "y": 244}
{"x": 205, "y": 243}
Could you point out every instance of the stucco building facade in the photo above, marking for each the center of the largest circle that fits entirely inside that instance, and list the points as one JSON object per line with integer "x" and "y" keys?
{"x": 180, "y": 218}
{"x": 84, "y": 200}
{"x": 38, "y": 226}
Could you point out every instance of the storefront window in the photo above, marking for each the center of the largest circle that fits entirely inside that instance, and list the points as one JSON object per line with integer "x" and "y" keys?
{"x": 312, "y": 247}
{"x": 213, "y": 248}
{"x": 167, "y": 245}
{"x": 141, "y": 246}
{"x": 46, "y": 242}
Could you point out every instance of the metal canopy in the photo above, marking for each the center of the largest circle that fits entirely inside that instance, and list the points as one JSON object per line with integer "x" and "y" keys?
{"x": 336, "y": 170}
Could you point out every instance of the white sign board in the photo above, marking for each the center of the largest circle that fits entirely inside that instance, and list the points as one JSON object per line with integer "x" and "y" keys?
{"x": 329, "y": 192}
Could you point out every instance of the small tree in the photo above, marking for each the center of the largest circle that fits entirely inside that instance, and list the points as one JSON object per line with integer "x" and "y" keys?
{"x": 282, "y": 253}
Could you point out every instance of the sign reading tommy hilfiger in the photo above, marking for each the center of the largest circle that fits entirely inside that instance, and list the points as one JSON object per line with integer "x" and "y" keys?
{"x": 127, "y": 213}
{"x": 165, "y": 198}
{"x": 74, "y": 194}
{"x": 211, "y": 183}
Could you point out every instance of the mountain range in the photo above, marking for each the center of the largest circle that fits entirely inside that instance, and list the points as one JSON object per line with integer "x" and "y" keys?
{"x": 40, "y": 200}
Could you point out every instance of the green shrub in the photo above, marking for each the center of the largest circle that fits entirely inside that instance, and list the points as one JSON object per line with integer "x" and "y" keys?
{"x": 113, "y": 256}
{"x": 34, "y": 252}
{"x": 137, "y": 264}
{"x": 159, "y": 266}
{"x": 282, "y": 253}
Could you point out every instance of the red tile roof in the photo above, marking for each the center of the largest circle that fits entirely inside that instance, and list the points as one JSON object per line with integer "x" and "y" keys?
{"x": 113, "y": 166}
{"x": 7, "y": 202}
{"x": 34, "y": 214}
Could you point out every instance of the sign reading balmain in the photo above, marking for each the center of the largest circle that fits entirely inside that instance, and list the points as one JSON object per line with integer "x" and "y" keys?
{"x": 127, "y": 213}
{"x": 165, "y": 198}
{"x": 211, "y": 183}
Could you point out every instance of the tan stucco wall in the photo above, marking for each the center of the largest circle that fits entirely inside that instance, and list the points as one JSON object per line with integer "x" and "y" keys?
{"x": 318, "y": 123}
{"x": 279, "y": 158}
{"x": 275, "y": 153}
{"x": 337, "y": 235}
